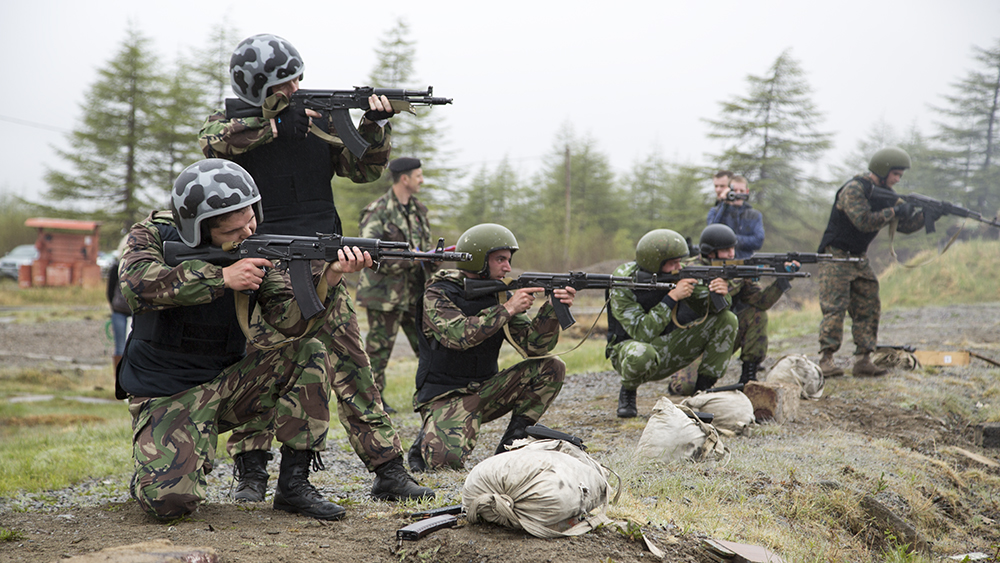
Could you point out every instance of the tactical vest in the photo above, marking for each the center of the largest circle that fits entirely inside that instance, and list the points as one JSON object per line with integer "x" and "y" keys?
{"x": 647, "y": 300}
{"x": 442, "y": 369}
{"x": 172, "y": 350}
{"x": 841, "y": 232}
{"x": 293, "y": 176}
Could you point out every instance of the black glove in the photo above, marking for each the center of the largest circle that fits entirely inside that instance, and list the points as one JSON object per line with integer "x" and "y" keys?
{"x": 292, "y": 124}
{"x": 903, "y": 210}
{"x": 784, "y": 284}
{"x": 373, "y": 115}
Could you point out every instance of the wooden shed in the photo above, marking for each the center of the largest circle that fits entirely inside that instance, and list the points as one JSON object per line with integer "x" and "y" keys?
{"x": 67, "y": 252}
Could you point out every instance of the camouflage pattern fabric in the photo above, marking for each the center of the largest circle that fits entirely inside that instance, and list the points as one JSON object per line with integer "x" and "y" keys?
{"x": 652, "y": 356}
{"x": 853, "y": 289}
{"x": 391, "y": 294}
{"x": 452, "y": 420}
{"x": 451, "y": 423}
{"x": 751, "y": 303}
{"x": 174, "y": 438}
{"x": 224, "y": 138}
{"x": 359, "y": 403}
{"x": 381, "y": 339}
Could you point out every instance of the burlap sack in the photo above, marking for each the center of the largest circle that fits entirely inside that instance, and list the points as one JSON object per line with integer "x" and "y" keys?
{"x": 549, "y": 488}
{"x": 895, "y": 358}
{"x": 796, "y": 369}
{"x": 732, "y": 409}
{"x": 674, "y": 433}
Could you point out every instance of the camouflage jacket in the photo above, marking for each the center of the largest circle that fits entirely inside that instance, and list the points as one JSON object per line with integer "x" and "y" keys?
{"x": 149, "y": 284}
{"x": 397, "y": 284}
{"x": 446, "y": 323}
{"x": 224, "y": 138}
{"x": 643, "y": 326}
{"x": 858, "y": 208}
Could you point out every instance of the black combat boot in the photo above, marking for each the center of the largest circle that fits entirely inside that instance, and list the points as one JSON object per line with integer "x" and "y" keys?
{"x": 749, "y": 372}
{"x": 515, "y": 431}
{"x": 626, "y": 403}
{"x": 414, "y": 457}
{"x": 295, "y": 493}
{"x": 250, "y": 470}
{"x": 392, "y": 482}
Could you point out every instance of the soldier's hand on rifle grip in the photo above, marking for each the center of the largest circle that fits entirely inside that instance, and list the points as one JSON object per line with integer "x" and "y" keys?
{"x": 245, "y": 274}
{"x": 719, "y": 285}
{"x": 683, "y": 289}
{"x": 521, "y": 300}
{"x": 793, "y": 266}
{"x": 379, "y": 108}
{"x": 565, "y": 295}
{"x": 348, "y": 260}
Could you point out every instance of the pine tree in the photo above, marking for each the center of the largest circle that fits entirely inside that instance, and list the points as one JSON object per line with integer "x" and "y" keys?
{"x": 970, "y": 135}
{"x": 209, "y": 66}
{"x": 115, "y": 152}
{"x": 770, "y": 133}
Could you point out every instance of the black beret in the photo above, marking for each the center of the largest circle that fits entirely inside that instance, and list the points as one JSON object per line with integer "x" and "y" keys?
{"x": 404, "y": 164}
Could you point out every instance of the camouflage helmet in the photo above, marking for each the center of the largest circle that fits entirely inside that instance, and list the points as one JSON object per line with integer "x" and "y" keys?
{"x": 716, "y": 237}
{"x": 888, "y": 159}
{"x": 259, "y": 62}
{"x": 657, "y": 247}
{"x": 480, "y": 241}
{"x": 208, "y": 188}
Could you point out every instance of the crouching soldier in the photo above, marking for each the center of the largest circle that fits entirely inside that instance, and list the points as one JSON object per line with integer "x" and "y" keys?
{"x": 459, "y": 383}
{"x": 654, "y": 334}
{"x": 186, "y": 371}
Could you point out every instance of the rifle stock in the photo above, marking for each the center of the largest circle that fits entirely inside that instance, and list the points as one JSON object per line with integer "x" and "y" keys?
{"x": 294, "y": 253}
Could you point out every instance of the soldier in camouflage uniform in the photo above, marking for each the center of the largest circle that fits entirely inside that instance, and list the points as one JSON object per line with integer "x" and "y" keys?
{"x": 855, "y": 220}
{"x": 459, "y": 385}
{"x": 750, "y": 302}
{"x": 654, "y": 334}
{"x": 391, "y": 294}
{"x": 186, "y": 371}
{"x": 293, "y": 160}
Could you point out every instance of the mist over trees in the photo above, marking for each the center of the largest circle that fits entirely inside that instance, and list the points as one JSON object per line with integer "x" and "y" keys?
{"x": 139, "y": 122}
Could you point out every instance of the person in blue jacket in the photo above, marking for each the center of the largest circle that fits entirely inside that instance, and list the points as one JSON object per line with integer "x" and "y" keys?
{"x": 733, "y": 210}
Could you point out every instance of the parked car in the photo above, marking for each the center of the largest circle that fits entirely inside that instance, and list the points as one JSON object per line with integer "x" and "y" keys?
{"x": 105, "y": 260}
{"x": 11, "y": 263}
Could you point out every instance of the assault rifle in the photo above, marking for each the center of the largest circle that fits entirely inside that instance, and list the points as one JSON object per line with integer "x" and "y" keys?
{"x": 936, "y": 206}
{"x": 293, "y": 253}
{"x": 777, "y": 260}
{"x": 709, "y": 273}
{"x": 475, "y": 289}
{"x": 337, "y": 104}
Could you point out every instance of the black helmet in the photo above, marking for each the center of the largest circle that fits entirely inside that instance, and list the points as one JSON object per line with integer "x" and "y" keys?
{"x": 479, "y": 241}
{"x": 716, "y": 237}
{"x": 208, "y": 188}
{"x": 657, "y": 247}
{"x": 888, "y": 159}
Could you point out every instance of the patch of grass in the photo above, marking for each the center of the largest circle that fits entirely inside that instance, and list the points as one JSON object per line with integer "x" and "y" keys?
{"x": 954, "y": 278}
{"x": 7, "y": 535}
{"x": 11, "y": 295}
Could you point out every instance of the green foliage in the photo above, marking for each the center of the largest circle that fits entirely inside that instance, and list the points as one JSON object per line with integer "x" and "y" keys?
{"x": 14, "y": 211}
{"x": 7, "y": 535}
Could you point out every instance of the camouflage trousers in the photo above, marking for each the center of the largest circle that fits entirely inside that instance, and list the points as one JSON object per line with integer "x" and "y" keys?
{"x": 174, "y": 439}
{"x": 751, "y": 336}
{"x": 381, "y": 337}
{"x": 666, "y": 356}
{"x": 359, "y": 403}
{"x": 451, "y": 422}
{"x": 853, "y": 289}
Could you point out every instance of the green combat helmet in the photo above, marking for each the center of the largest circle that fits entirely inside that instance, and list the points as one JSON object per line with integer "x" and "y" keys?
{"x": 208, "y": 188}
{"x": 659, "y": 246}
{"x": 888, "y": 159}
{"x": 716, "y": 237}
{"x": 479, "y": 241}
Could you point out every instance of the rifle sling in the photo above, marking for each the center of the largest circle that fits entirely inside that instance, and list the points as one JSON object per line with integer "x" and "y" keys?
{"x": 892, "y": 250}
{"x": 261, "y": 340}
{"x": 524, "y": 354}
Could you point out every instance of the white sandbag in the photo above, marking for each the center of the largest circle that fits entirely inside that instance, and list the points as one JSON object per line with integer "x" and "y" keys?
{"x": 796, "y": 369}
{"x": 549, "y": 488}
{"x": 673, "y": 433}
{"x": 732, "y": 409}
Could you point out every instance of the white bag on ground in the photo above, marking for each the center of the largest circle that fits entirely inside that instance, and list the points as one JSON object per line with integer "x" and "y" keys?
{"x": 674, "y": 433}
{"x": 732, "y": 409}
{"x": 549, "y": 488}
{"x": 799, "y": 370}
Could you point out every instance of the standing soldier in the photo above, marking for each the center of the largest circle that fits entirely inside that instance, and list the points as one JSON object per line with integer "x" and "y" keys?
{"x": 855, "y": 220}
{"x": 391, "y": 294}
{"x": 293, "y": 168}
